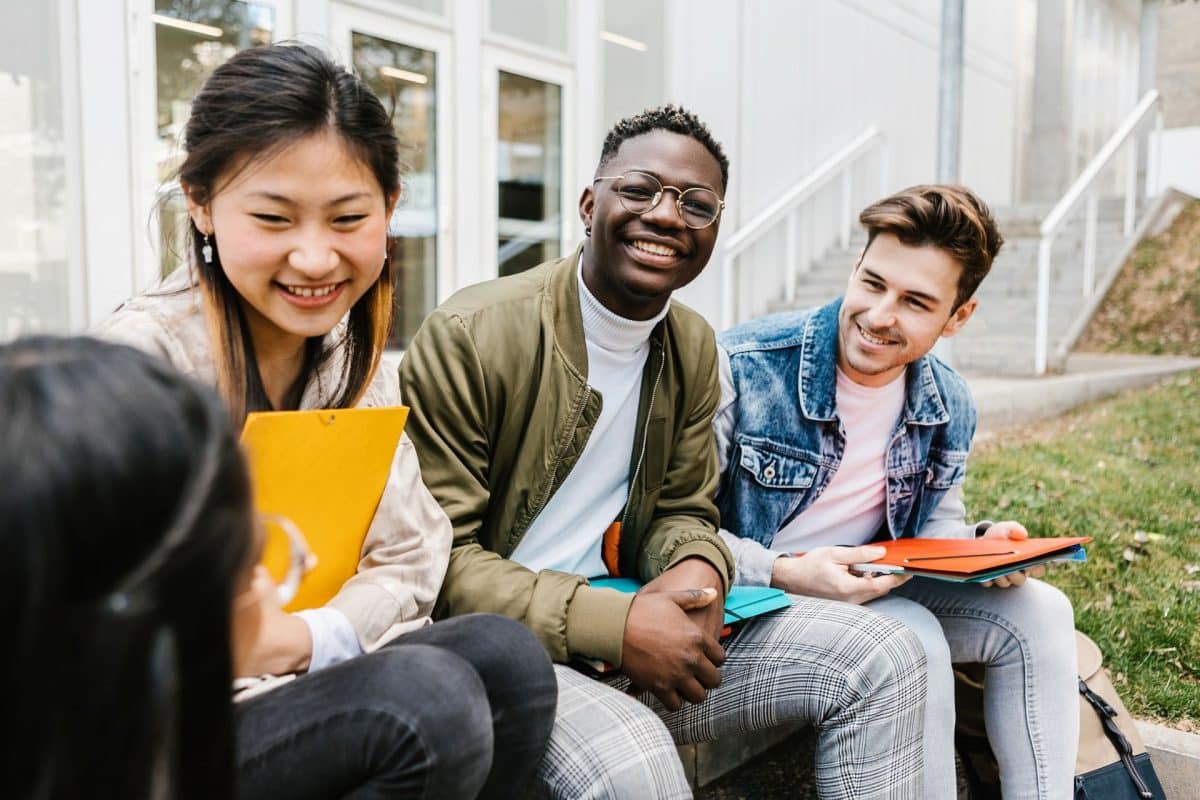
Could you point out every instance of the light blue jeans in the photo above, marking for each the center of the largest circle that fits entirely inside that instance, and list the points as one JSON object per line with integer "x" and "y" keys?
{"x": 1026, "y": 638}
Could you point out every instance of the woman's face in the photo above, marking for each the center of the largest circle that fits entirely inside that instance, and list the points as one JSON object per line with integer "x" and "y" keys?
{"x": 301, "y": 236}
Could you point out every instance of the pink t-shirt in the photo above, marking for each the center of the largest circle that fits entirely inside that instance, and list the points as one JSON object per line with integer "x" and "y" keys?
{"x": 851, "y": 508}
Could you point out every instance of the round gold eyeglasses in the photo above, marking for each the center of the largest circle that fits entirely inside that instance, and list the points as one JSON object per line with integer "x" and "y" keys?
{"x": 640, "y": 192}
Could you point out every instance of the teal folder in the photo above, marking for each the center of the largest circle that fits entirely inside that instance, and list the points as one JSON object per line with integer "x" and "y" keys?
{"x": 742, "y": 603}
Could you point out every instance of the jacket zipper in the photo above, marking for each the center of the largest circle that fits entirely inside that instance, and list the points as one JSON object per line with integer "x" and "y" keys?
{"x": 587, "y": 394}
{"x": 645, "y": 438}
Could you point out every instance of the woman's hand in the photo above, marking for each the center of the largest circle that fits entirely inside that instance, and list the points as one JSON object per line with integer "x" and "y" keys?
{"x": 266, "y": 639}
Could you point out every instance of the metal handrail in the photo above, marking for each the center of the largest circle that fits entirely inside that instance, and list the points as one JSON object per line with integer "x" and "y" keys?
{"x": 1082, "y": 189}
{"x": 787, "y": 203}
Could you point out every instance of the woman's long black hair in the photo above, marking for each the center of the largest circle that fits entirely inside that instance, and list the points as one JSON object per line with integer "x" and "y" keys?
{"x": 125, "y": 523}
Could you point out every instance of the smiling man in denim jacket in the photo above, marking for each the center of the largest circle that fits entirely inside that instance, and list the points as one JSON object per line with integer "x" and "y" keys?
{"x": 838, "y": 427}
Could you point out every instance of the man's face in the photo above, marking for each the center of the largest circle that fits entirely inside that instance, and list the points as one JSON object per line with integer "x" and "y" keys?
{"x": 632, "y": 262}
{"x": 898, "y": 302}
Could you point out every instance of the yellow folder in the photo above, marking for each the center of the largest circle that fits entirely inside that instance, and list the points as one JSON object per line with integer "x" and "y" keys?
{"x": 325, "y": 471}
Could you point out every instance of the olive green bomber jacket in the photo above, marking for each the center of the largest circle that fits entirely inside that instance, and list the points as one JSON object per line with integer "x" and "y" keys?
{"x": 496, "y": 379}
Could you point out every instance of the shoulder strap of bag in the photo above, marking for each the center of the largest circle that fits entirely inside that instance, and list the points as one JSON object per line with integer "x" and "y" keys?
{"x": 1118, "y": 740}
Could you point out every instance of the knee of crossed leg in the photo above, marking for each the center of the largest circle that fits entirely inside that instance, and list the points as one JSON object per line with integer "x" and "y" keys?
{"x": 510, "y": 652}
{"x": 897, "y": 657}
{"x": 436, "y": 698}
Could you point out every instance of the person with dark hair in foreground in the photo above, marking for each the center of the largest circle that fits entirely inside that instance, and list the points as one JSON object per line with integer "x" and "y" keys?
{"x": 563, "y": 416}
{"x": 125, "y": 534}
{"x": 837, "y": 426}
{"x": 291, "y": 174}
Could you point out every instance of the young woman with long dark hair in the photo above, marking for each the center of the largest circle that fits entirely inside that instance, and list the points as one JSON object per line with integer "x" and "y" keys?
{"x": 291, "y": 174}
{"x": 124, "y": 538}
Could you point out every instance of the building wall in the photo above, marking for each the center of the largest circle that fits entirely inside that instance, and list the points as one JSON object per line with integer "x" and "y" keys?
{"x": 1179, "y": 63}
{"x": 786, "y": 84}
{"x": 1178, "y": 73}
{"x": 783, "y": 83}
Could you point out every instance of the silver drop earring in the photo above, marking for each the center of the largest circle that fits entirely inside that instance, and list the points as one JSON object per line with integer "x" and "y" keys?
{"x": 206, "y": 250}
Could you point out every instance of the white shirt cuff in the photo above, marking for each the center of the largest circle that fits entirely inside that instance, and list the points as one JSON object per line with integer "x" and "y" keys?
{"x": 333, "y": 637}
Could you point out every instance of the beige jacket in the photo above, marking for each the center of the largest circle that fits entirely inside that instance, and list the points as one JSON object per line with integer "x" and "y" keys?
{"x": 407, "y": 547}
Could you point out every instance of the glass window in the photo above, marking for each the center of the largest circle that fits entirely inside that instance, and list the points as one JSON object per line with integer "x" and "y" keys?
{"x": 538, "y": 22}
{"x": 405, "y": 78}
{"x": 633, "y": 58}
{"x": 529, "y": 172}
{"x": 435, "y": 7}
{"x": 191, "y": 40}
{"x": 33, "y": 225}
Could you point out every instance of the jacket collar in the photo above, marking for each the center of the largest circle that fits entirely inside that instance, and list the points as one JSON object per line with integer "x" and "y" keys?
{"x": 562, "y": 286}
{"x": 817, "y": 382}
{"x": 562, "y": 289}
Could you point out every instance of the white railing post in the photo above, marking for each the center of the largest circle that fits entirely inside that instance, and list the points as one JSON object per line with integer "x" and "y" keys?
{"x": 844, "y": 232}
{"x": 1085, "y": 188}
{"x": 1131, "y": 171}
{"x": 883, "y": 170}
{"x": 1043, "y": 307}
{"x": 791, "y": 207}
{"x": 789, "y": 257}
{"x": 727, "y": 294}
{"x": 1159, "y": 183}
{"x": 1089, "y": 243}
{"x": 805, "y": 235}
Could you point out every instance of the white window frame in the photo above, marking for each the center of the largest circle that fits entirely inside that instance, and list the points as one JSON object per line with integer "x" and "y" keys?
{"x": 495, "y": 60}
{"x": 403, "y": 29}
{"x": 143, "y": 101}
{"x": 542, "y": 53}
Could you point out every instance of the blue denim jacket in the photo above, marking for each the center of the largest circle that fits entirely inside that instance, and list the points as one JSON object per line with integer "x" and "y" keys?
{"x": 780, "y": 439}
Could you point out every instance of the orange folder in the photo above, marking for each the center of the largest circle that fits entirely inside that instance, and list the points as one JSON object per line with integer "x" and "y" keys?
{"x": 325, "y": 471}
{"x": 973, "y": 560}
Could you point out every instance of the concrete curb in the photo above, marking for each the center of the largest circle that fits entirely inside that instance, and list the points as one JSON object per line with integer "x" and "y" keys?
{"x": 1176, "y": 757}
{"x": 1006, "y": 402}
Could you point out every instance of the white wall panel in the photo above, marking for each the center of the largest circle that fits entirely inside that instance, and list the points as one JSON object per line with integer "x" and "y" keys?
{"x": 812, "y": 75}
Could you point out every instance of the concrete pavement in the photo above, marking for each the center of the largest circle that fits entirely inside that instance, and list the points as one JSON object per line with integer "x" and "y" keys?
{"x": 1005, "y": 402}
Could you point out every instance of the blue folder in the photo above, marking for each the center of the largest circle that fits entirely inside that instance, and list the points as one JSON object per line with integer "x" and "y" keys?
{"x": 742, "y": 603}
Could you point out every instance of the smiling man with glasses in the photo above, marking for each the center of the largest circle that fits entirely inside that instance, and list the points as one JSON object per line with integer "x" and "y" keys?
{"x": 562, "y": 417}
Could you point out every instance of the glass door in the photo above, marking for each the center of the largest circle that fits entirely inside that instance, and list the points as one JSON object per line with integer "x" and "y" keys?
{"x": 405, "y": 65}
{"x": 190, "y": 41}
{"x": 532, "y": 208}
{"x": 528, "y": 172}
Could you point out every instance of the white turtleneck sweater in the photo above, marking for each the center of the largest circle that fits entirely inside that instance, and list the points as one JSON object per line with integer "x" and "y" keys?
{"x": 566, "y": 536}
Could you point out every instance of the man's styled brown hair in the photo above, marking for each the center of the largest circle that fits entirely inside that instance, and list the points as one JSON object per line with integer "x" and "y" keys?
{"x": 950, "y": 218}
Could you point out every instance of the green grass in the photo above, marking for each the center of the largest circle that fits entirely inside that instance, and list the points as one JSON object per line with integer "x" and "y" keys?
{"x": 1127, "y": 472}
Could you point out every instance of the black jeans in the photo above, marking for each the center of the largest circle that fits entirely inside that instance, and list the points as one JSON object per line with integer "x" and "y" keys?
{"x": 462, "y": 708}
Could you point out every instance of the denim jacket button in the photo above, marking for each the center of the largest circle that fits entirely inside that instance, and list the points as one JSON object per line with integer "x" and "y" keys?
{"x": 769, "y": 472}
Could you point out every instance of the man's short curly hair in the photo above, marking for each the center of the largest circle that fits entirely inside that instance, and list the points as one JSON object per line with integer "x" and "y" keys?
{"x": 664, "y": 118}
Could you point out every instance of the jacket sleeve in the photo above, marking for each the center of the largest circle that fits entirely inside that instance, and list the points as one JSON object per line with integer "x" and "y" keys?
{"x": 140, "y": 329}
{"x": 444, "y": 384}
{"x": 685, "y": 518}
{"x": 403, "y": 559}
{"x": 948, "y": 519}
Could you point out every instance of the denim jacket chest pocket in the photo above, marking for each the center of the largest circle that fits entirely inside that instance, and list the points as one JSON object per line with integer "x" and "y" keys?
{"x": 914, "y": 494}
{"x": 946, "y": 468}
{"x": 773, "y": 468}
{"x": 770, "y": 482}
